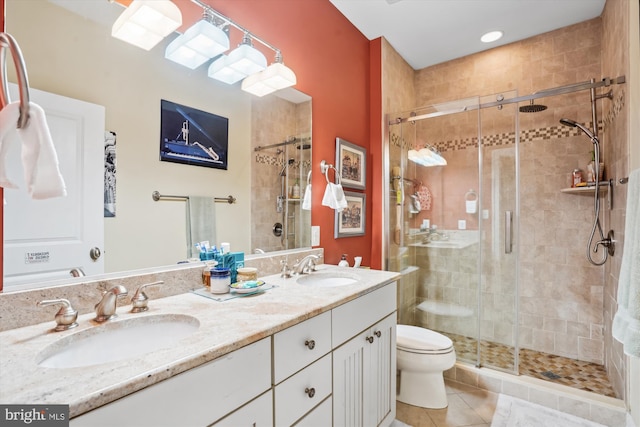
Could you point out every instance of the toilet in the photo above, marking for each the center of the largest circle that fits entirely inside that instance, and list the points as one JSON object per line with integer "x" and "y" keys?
{"x": 422, "y": 357}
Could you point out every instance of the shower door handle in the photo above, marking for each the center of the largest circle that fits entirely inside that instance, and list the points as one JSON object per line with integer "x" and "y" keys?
{"x": 508, "y": 232}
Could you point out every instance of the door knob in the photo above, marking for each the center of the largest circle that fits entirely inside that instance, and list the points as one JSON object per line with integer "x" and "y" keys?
{"x": 95, "y": 253}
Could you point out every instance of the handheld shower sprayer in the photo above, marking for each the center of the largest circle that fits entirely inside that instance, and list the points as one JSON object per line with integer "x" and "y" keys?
{"x": 607, "y": 241}
{"x": 586, "y": 131}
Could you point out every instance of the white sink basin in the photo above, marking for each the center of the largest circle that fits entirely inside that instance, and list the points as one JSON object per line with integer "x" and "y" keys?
{"x": 328, "y": 279}
{"x": 117, "y": 340}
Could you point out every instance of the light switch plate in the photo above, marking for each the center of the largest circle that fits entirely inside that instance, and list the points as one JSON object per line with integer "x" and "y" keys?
{"x": 315, "y": 235}
{"x": 462, "y": 224}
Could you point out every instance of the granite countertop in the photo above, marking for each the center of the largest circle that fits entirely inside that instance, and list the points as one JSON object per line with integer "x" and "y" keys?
{"x": 224, "y": 327}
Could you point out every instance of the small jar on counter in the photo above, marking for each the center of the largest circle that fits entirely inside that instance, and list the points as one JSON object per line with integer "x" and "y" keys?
{"x": 247, "y": 273}
{"x": 220, "y": 280}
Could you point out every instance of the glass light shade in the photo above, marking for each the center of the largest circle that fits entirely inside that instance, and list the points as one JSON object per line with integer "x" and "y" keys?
{"x": 146, "y": 22}
{"x": 278, "y": 76}
{"x": 246, "y": 59}
{"x": 220, "y": 71}
{"x": 197, "y": 45}
{"x": 256, "y": 85}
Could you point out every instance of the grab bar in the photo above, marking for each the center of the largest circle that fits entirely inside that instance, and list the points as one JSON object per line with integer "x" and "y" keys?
{"x": 508, "y": 234}
{"x": 7, "y": 41}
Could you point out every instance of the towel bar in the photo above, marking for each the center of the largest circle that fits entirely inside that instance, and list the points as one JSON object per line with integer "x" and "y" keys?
{"x": 157, "y": 196}
{"x": 7, "y": 41}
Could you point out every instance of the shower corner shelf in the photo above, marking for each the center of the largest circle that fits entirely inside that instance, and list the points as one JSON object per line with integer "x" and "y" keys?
{"x": 604, "y": 186}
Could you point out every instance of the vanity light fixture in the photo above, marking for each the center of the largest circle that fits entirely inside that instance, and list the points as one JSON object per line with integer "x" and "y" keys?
{"x": 246, "y": 58}
{"x": 275, "y": 77}
{"x": 427, "y": 156}
{"x": 201, "y": 42}
{"x": 220, "y": 71}
{"x": 491, "y": 36}
{"x": 146, "y": 22}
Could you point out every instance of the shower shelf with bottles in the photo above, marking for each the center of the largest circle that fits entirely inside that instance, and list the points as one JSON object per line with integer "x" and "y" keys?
{"x": 604, "y": 186}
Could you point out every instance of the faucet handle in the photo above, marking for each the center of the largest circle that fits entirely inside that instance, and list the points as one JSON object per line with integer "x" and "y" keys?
{"x": 65, "y": 317}
{"x": 286, "y": 271}
{"x": 140, "y": 300}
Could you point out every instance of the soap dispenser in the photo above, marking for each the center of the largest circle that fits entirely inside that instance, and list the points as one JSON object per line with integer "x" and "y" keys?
{"x": 343, "y": 261}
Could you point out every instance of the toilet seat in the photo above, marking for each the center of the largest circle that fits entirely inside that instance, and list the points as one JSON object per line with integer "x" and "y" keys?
{"x": 414, "y": 339}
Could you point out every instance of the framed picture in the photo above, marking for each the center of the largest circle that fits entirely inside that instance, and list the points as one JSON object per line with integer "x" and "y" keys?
{"x": 350, "y": 222}
{"x": 351, "y": 162}
{"x": 193, "y": 137}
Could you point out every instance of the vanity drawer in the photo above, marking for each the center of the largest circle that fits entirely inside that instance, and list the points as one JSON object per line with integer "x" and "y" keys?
{"x": 349, "y": 319}
{"x": 198, "y": 396}
{"x": 298, "y": 346}
{"x": 302, "y": 392}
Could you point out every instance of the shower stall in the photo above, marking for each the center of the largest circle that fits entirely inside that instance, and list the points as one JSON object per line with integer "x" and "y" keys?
{"x": 491, "y": 255}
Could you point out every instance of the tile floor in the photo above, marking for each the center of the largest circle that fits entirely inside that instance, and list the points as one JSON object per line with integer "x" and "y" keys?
{"x": 549, "y": 367}
{"x": 468, "y": 406}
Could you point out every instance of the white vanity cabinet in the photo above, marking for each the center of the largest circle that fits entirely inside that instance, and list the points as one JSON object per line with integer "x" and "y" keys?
{"x": 364, "y": 367}
{"x": 197, "y": 397}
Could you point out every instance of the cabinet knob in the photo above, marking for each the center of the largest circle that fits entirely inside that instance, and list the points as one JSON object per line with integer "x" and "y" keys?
{"x": 378, "y": 334}
{"x": 370, "y": 339}
{"x": 310, "y": 391}
{"x": 310, "y": 343}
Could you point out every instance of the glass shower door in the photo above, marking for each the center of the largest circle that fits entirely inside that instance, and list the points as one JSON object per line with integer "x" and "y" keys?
{"x": 498, "y": 322}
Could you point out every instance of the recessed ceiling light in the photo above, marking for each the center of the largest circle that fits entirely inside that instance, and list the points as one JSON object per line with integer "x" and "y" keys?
{"x": 491, "y": 36}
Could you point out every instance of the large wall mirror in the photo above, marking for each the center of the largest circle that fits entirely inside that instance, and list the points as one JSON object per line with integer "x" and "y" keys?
{"x": 71, "y": 53}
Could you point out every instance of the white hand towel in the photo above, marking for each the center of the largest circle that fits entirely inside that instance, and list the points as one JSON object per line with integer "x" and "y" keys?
{"x": 306, "y": 201}
{"x": 334, "y": 197}
{"x": 39, "y": 158}
{"x": 626, "y": 322}
{"x": 8, "y": 123}
{"x": 201, "y": 222}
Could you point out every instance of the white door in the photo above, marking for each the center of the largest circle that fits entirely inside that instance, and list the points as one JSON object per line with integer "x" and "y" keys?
{"x": 46, "y": 239}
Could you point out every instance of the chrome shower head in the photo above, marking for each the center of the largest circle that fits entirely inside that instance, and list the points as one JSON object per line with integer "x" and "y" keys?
{"x": 587, "y": 132}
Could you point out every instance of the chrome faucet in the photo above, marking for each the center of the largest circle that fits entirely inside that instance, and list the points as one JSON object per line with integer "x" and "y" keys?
{"x": 67, "y": 315}
{"x": 306, "y": 265}
{"x": 106, "y": 308}
{"x": 140, "y": 300}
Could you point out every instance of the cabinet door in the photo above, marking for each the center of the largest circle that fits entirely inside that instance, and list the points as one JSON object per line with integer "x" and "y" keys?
{"x": 351, "y": 381}
{"x": 383, "y": 372}
{"x": 257, "y": 413}
{"x": 364, "y": 377}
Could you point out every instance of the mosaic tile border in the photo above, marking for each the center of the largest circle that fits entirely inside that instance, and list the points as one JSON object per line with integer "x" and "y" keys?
{"x": 508, "y": 138}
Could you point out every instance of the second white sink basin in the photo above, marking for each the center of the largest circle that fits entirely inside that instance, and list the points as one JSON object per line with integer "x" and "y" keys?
{"x": 117, "y": 340}
{"x": 328, "y": 279}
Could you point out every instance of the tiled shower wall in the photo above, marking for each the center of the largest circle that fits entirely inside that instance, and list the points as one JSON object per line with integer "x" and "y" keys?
{"x": 615, "y": 62}
{"x": 274, "y": 121}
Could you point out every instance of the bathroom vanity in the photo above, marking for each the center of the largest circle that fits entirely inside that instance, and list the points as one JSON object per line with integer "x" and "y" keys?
{"x": 299, "y": 353}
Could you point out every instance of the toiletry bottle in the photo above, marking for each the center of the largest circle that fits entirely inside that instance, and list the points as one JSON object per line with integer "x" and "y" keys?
{"x": 343, "y": 261}
{"x": 296, "y": 190}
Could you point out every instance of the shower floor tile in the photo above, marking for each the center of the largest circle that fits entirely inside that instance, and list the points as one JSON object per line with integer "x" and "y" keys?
{"x": 549, "y": 367}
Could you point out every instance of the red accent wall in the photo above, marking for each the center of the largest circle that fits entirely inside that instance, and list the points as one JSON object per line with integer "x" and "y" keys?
{"x": 332, "y": 61}
{"x": 1, "y": 189}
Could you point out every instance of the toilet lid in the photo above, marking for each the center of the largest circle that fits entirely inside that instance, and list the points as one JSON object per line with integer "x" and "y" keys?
{"x": 421, "y": 339}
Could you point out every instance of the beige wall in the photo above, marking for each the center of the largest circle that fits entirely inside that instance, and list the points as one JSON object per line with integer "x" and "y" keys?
{"x": 130, "y": 89}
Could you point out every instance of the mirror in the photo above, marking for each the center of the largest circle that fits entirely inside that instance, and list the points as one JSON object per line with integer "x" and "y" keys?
{"x": 269, "y": 153}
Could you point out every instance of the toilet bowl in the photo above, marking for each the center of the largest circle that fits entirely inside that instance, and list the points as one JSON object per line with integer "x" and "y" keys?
{"x": 422, "y": 357}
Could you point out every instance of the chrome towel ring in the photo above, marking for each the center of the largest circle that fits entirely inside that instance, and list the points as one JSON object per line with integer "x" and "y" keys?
{"x": 8, "y": 42}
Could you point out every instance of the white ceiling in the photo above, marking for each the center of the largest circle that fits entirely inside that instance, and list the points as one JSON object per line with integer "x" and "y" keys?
{"x": 428, "y": 32}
